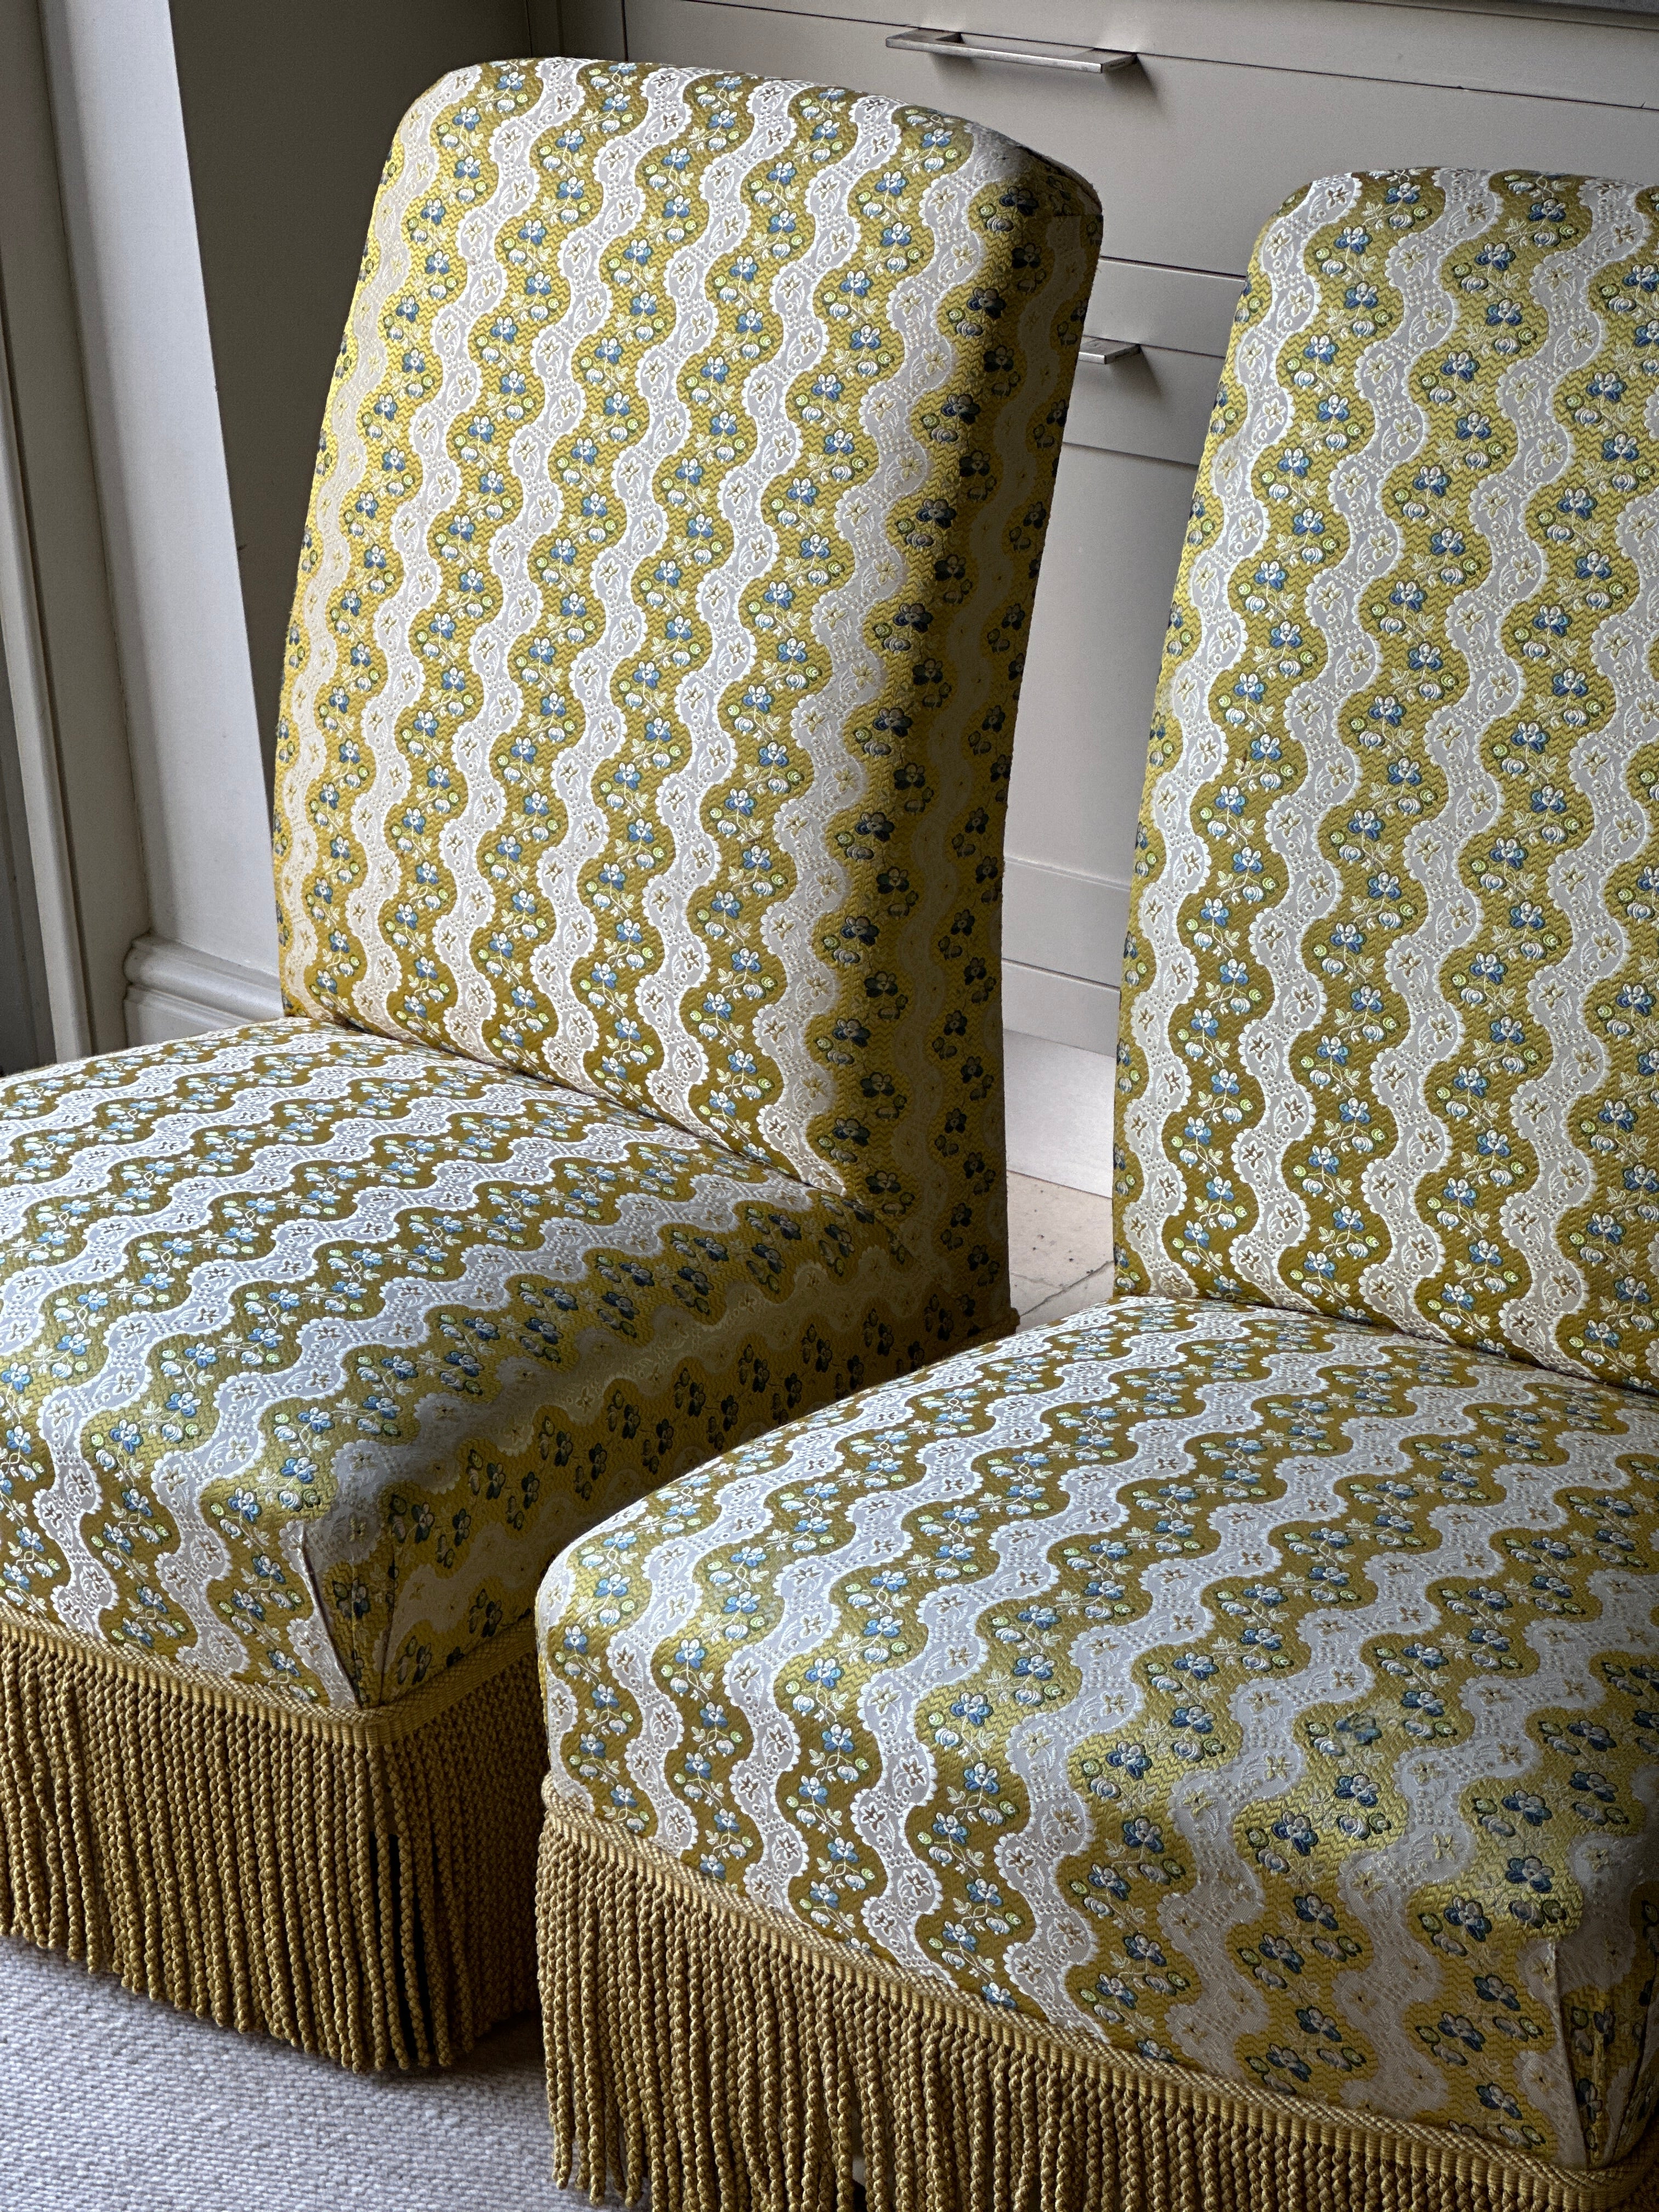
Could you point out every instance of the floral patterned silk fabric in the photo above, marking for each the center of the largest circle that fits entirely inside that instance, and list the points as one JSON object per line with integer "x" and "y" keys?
{"x": 1388, "y": 1037}
{"x": 639, "y": 786}
{"x": 1243, "y": 1689}
{"x": 1256, "y": 1677}
{"x": 319, "y": 1345}
{"x": 663, "y": 611}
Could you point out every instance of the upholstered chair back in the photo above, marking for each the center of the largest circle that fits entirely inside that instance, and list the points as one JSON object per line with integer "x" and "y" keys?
{"x": 663, "y": 604}
{"x": 1390, "y": 1021}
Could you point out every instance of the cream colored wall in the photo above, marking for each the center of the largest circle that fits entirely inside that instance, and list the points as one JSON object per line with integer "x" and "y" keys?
{"x": 288, "y": 111}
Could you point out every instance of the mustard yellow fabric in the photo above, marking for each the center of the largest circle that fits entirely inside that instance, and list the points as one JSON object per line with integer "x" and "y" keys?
{"x": 640, "y": 778}
{"x": 1265, "y": 1694}
{"x": 665, "y": 601}
{"x": 1255, "y": 1677}
{"x": 640, "y": 792}
{"x": 319, "y": 1345}
{"x": 1388, "y": 996}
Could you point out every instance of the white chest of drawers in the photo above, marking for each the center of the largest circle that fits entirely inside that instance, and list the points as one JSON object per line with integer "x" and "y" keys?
{"x": 1229, "y": 105}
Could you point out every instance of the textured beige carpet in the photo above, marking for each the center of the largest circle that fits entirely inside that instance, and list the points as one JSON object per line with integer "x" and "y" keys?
{"x": 109, "y": 2103}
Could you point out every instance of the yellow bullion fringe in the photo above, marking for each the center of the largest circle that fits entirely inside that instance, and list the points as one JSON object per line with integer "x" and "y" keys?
{"x": 362, "y": 1887}
{"x": 741, "y": 2066}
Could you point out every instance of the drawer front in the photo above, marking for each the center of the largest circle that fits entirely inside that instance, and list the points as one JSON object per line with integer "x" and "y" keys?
{"x": 1183, "y": 309}
{"x": 1189, "y": 156}
{"x": 1156, "y": 404}
{"x": 1558, "y": 54}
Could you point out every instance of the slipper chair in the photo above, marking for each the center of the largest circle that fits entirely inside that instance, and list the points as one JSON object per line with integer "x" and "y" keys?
{"x": 1203, "y": 1754}
{"x": 652, "y": 679}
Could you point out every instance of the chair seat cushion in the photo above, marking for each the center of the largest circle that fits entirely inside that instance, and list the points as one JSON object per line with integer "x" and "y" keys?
{"x": 314, "y": 1347}
{"x": 1264, "y": 1694}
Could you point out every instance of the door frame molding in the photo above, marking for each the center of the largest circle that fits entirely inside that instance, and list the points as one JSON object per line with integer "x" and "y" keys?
{"x": 43, "y": 829}
{"x": 169, "y": 540}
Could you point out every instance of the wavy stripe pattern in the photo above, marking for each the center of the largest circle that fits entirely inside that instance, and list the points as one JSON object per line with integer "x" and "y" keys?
{"x": 319, "y": 1346}
{"x": 1255, "y": 1690}
{"x": 1258, "y": 1673}
{"x": 1389, "y": 977}
{"x": 651, "y": 682}
{"x": 677, "y": 522}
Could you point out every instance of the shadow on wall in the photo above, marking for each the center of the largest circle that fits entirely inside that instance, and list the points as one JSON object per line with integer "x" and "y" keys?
{"x": 288, "y": 112}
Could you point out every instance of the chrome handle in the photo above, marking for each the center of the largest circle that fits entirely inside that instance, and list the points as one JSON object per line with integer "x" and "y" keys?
{"x": 1032, "y": 53}
{"x": 1104, "y": 351}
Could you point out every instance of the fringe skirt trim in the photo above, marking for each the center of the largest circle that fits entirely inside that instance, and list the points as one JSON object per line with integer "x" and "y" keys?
{"x": 361, "y": 1885}
{"x": 739, "y": 2064}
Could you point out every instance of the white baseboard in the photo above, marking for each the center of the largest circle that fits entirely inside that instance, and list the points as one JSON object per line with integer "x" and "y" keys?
{"x": 174, "y": 990}
{"x": 1059, "y": 1106}
{"x": 1066, "y": 1009}
{"x": 1062, "y": 922}
{"x": 1062, "y": 947}
{"x": 1058, "y": 1095}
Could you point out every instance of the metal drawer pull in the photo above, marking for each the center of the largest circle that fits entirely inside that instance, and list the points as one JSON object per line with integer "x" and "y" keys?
{"x": 1104, "y": 351}
{"x": 1034, "y": 53}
